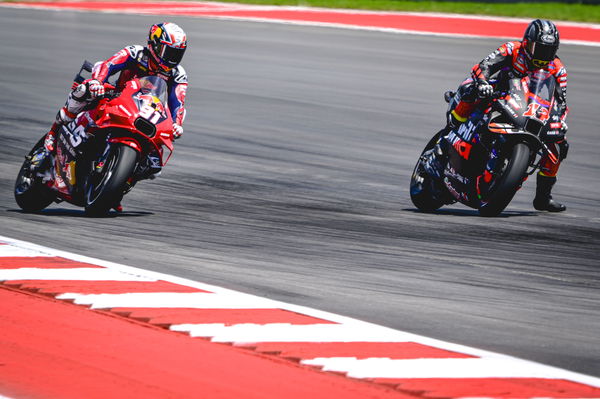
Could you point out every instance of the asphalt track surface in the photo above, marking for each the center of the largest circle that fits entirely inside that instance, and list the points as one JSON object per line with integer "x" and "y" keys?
{"x": 291, "y": 182}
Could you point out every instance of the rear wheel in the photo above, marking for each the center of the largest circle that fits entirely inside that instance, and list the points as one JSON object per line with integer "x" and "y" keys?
{"x": 30, "y": 192}
{"x": 424, "y": 190}
{"x": 510, "y": 180}
{"x": 106, "y": 188}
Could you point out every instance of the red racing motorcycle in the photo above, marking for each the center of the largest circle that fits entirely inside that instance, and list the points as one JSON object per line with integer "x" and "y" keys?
{"x": 121, "y": 139}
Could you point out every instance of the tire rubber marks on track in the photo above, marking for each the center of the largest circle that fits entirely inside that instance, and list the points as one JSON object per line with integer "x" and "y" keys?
{"x": 412, "y": 364}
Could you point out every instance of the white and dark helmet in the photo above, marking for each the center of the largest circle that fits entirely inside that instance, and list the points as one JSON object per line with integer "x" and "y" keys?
{"x": 166, "y": 43}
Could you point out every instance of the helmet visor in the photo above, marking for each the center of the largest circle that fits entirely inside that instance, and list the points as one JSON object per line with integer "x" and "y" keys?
{"x": 542, "y": 54}
{"x": 170, "y": 56}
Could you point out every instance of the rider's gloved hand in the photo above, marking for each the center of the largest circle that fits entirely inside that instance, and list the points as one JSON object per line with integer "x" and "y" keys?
{"x": 484, "y": 89}
{"x": 95, "y": 89}
{"x": 177, "y": 131}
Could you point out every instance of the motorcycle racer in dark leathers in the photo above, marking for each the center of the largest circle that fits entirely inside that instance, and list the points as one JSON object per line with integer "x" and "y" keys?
{"x": 536, "y": 51}
{"x": 166, "y": 46}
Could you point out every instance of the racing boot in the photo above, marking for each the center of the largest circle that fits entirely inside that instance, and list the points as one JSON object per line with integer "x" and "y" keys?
{"x": 543, "y": 199}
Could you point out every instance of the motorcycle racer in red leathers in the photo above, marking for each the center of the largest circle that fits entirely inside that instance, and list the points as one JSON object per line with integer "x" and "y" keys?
{"x": 536, "y": 51}
{"x": 167, "y": 43}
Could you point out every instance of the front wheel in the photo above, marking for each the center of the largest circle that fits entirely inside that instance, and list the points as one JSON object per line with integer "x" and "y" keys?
{"x": 424, "y": 191}
{"x": 30, "y": 193}
{"x": 510, "y": 180}
{"x": 106, "y": 188}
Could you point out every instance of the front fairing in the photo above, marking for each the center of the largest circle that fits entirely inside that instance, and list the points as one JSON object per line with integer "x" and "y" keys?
{"x": 527, "y": 105}
{"x": 139, "y": 115}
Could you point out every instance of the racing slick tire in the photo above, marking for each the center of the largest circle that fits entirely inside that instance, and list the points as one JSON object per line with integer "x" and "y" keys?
{"x": 423, "y": 188}
{"x": 510, "y": 182}
{"x": 30, "y": 193}
{"x": 105, "y": 189}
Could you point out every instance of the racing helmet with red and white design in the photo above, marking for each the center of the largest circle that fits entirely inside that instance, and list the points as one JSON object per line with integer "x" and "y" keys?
{"x": 166, "y": 43}
{"x": 541, "y": 42}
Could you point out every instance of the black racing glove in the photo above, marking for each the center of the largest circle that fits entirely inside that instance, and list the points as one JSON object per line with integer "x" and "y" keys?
{"x": 484, "y": 89}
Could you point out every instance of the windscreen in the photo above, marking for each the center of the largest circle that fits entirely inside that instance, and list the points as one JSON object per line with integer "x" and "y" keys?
{"x": 539, "y": 101}
{"x": 152, "y": 99}
{"x": 154, "y": 86}
{"x": 541, "y": 88}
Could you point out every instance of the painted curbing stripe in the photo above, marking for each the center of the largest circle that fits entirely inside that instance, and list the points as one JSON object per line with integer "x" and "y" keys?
{"x": 40, "y": 262}
{"x": 359, "y": 350}
{"x": 57, "y": 350}
{"x": 432, "y": 368}
{"x": 346, "y": 321}
{"x": 170, "y": 300}
{"x": 56, "y": 287}
{"x": 280, "y": 332}
{"x": 100, "y": 274}
{"x": 168, "y": 316}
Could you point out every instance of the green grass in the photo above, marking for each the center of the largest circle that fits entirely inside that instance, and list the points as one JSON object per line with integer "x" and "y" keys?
{"x": 552, "y": 11}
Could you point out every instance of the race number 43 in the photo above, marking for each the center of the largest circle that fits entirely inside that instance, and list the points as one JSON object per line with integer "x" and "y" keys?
{"x": 536, "y": 111}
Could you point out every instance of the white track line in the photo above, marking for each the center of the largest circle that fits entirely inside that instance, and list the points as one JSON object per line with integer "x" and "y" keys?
{"x": 432, "y": 368}
{"x": 82, "y": 274}
{"x": 196, "y": 300}
{"x": 12, "y": 251}
{"x": 282, "y": 332}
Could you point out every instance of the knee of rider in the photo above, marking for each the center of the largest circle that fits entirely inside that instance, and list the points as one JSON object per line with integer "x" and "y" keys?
{"x": 548, "y": 168}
